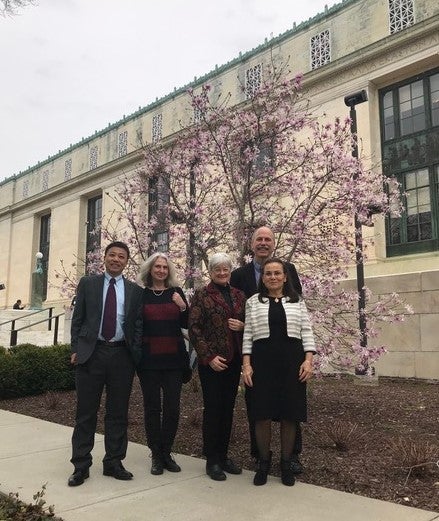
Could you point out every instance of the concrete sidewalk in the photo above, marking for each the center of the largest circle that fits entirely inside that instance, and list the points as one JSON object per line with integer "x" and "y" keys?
{"x": 34, "y": 452}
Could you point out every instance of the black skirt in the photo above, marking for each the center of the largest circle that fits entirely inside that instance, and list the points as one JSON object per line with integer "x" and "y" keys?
{"x": 277, "y": 393}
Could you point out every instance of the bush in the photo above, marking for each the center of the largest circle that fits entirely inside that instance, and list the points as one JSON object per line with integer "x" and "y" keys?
{"x": 418, "y": 456}
{"x": 12, "y": 508}
{"x": 342, "y": 434}
{"x": 28, "y": 369}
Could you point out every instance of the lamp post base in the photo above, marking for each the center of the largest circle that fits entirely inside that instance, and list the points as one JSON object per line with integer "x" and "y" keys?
{"x": 366, "y": 377}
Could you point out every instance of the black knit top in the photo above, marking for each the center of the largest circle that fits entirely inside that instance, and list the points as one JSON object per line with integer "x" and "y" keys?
{"x": 163, "y": 343}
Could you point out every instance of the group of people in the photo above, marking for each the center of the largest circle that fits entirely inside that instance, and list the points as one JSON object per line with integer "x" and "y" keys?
{"x": 251, "y": 322}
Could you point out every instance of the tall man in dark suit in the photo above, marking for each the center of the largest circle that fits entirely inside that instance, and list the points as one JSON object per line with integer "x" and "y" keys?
{"x": 246, "y": 279}
{"x": 106, "y": 340}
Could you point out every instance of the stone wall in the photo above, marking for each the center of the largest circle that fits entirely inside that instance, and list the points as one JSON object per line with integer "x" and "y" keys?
{"x": 413, "y": 344}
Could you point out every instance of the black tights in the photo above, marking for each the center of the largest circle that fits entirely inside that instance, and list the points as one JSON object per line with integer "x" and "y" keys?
{"x": 263, "y": 438}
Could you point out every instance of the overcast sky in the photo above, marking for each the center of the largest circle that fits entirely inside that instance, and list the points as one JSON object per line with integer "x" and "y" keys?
{"x": 70, "y": 67}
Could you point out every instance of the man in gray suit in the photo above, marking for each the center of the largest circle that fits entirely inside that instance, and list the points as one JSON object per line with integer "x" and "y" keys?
{"x": 106, "y": 338}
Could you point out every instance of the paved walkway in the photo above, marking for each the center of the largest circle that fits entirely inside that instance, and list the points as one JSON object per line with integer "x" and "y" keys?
{"x": 34, "y": 452}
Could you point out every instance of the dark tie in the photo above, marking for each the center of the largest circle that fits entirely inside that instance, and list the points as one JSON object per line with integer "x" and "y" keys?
{"x": 110, "y": 309}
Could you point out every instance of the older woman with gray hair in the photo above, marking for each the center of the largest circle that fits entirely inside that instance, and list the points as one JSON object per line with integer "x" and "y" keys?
{"x": 164, "y": 357}
{"x": 216, "y": 322}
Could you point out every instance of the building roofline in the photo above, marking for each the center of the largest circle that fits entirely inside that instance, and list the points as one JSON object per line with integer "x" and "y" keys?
{"x": 242, "y": 57}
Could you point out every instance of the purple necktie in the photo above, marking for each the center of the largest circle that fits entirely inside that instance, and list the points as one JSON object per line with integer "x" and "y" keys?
{"x": 110, "y": 309}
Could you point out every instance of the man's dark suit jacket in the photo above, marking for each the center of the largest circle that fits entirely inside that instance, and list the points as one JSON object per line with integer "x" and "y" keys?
{"x": 87, "y": 314}
{"x": 244, "y": 279}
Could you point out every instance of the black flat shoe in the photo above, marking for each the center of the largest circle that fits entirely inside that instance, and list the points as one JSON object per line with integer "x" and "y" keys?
{"x": 231, "y": 467}
{"x": 78, "y": 477}
{"x": 170, "y": 464}
{"x": 118, "y": 472}
{"x": 296, "y": 466}
{"x": 286, "y": 472}
{"x": 215, "y": 472}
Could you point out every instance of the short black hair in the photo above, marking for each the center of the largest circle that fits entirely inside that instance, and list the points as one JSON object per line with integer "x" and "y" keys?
{"x": 118, "y": 244}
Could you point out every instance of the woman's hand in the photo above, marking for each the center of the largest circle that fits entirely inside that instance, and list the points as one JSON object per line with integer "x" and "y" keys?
{"x": 305, "y": 371}
{"x": 218, "y": 363}
{"x": 235, "y": 324}
{"x": 247, "y": 373}
{"x": 176, "y": 299}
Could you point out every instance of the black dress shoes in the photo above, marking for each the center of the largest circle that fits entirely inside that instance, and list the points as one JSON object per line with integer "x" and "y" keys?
{"x": 170, "y": 464}
{"x": 78, "y": 477}
{"x": 118, "y": 471}
{"x": 157, "y": 464}
{"x": 231, "y": 467}
{"x": 215, "y": 472}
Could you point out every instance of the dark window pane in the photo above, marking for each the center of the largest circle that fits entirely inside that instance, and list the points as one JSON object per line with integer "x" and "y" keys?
{"x": 418, "y": 122}
{"x": 389, "y": 117}
{"x": 94, "y": 217}
{"x": 417, "y": 89}
{"x": 404, "y": 94}
{"x": 406, "y": 127}
{"x": 434, "y": 95}
{"x": 45, "y": 249}
{"x": 395, "y": 230}
{"x": 424, "y": 217}
{"x": 411, "y": 112}
{"x": 412, "y": 220}
{"x": 426, "y": 231}
{"x": 412, "y": 233}
{"x": 411, "y": 108}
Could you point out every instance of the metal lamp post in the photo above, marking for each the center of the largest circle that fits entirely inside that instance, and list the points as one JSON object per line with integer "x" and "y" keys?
{"x": 351, "y": 101}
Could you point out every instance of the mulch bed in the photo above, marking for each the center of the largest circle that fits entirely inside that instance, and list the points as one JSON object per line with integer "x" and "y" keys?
{"x": 372, "y": 425}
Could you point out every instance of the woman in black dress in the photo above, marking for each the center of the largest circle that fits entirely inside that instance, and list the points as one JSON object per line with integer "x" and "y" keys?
{"x": 278, "y": 349}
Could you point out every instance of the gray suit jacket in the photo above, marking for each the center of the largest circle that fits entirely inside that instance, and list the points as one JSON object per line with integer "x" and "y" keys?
{"x": 87, "y": 317}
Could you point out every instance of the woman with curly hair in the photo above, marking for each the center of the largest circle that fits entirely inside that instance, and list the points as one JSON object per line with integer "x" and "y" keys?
{"x": 164, "y": 357}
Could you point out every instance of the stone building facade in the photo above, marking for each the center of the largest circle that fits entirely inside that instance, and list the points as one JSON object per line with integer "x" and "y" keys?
{"x": 390, "y": 48}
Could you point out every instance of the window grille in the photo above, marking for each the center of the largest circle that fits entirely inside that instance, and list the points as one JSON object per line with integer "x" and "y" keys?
{"x": 93, "y": 157}
{"x": 401, "y": 15}
{"x": 253, "y": 81}
{"x": 157, "y": 123}
{"x": 320, "y": 49}
{"x": 67, "y": 169}
{"x": 45, "y": 181}
{"x": 123, "y": 144}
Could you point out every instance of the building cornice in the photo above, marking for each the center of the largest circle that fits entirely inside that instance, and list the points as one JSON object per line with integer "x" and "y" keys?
{"x": 242, "y": 57}
{"x": 116, "y": 166}
{"x": 332, "y": 70}
{"x": 364, "y": 61}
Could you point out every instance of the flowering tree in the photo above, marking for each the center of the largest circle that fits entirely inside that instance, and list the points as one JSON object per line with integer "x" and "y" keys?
{"x": 269, "y": 161}
{"x": 127, "y": 223}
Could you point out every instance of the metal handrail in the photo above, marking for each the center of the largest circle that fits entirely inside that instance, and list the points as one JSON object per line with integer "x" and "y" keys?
{"x": 14, "y": 332}
{"x": 12, "y": 320}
